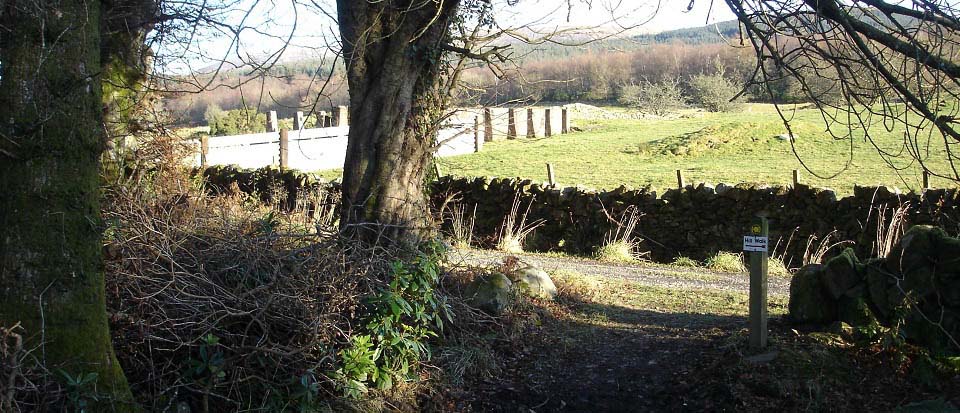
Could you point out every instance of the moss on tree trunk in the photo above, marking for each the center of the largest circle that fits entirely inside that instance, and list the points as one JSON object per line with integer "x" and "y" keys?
{"x": 51, "y": 270}
{"x": 392, "y": 55}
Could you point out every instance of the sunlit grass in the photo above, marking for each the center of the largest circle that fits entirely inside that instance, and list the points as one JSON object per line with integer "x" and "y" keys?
{"x": 708, "y": 147}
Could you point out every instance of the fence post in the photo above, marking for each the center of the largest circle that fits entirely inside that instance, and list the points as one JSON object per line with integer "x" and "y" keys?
{"x": 796, "y": 178}
{"x": 284, "y": 149}
{"x": 272, "y": 121}
{"x": 531, "y": 132}
{"x": 550, "y": 177}
{"x": 511, "y": 124}
{"x": 341, "y": 116}
{"x": 204, "y": 150}
{"x": 926, "y": 179}
{"x": 548, "y": 122}
{"x": 477, "y": 137}
{"x": 759, "y": 232}
{"x": 487, "y": 125}
{"x": 298, "y": 120}
{"x": 564, "y": 121}
{"x": 680, "y": 179}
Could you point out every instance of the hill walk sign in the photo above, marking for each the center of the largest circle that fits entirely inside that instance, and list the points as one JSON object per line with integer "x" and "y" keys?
{"x": 756, "y": 244}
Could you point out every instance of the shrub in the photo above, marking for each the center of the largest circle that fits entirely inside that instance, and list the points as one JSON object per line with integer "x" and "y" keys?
{"x": 400, "y": 319}
{"x": 235, "y": 122}
{"x": 658, "y": 99}
{"x": 713, "y": 92}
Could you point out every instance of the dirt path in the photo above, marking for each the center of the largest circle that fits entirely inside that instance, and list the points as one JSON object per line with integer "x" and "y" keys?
{"x": 632, "y": 348}
{"x": 647, "y": 274}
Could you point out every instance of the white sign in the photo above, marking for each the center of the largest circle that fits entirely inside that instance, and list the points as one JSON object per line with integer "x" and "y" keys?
{"x": 756, "y": 244}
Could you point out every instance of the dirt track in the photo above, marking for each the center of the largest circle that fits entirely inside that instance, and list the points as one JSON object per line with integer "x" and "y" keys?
{"x": 649, "y": 274}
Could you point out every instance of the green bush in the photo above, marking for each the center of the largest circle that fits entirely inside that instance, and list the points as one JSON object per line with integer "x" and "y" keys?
{"x": 658, "y": 99}
{"x": 234, "y": 122}
{"x": 713, "y": 92}
{"x": 398, "y": 322}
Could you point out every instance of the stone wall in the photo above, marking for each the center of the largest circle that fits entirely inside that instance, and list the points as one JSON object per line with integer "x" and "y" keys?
{"x": 697, "y": 221}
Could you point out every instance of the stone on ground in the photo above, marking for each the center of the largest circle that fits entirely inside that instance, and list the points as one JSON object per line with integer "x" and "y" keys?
{"x": 534, "y": 282}
{"x": 492, "y": 293}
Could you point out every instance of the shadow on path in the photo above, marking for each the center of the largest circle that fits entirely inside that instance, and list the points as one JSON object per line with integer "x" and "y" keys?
{"x": 604, "y": 358}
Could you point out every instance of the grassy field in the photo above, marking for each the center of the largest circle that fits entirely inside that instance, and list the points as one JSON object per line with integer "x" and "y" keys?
{"x": 708, "y": 147}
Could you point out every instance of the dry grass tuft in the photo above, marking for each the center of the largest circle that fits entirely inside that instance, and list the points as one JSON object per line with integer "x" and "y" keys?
{"x": 515, "y": 228}
{"x": 619, "y": 244}
{"x": 726, "y": 262}
{"x": 817, "y": 248}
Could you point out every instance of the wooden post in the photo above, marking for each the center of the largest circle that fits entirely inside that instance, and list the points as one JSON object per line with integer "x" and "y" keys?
{"x": 487, "y": 125}
{"x": 547, "y": 129}
{"x": 550, "y": 177}
{"x": 204, "y": 150}
{"x": 531, "y": 132}
{"x": 436, "y": 169}
{"x": 680, "y": 179}
{"x": 564, "y": 121}
{"x": 796, "y": 178}
{"x": 477, "y": 137}
{"x": 298, "y": 120}
{"x": 272, "y": 125}
{"x": 926, "y": 179}
{"x": 511, "y": 124}
{"x": 284, "y": 148}
{"x": 340, "y": 116}
{"x": 758, "y": 285}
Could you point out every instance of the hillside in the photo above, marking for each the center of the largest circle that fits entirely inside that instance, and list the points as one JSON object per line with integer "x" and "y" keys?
{"x": 592, "y": 72}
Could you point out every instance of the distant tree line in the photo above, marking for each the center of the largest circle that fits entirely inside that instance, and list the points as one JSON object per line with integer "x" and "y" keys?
{"x": 695, "y": 70}
{"x": 704, "y": 67}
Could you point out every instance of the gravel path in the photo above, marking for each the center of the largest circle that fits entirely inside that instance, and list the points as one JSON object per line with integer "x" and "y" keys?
{"x": 649, "y": 274}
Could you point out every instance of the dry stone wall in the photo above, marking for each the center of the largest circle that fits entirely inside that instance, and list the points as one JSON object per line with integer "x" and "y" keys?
{"x": 697, "y": 221}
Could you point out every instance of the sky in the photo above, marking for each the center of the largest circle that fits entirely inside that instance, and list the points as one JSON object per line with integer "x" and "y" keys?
{"x": 305, "y": 27}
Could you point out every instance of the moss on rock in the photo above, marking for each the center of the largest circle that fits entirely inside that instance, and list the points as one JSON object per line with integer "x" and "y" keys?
{"x": 809, "y": 302}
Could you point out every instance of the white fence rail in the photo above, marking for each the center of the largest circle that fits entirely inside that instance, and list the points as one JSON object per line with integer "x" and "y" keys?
{"x": 325, "y": 148}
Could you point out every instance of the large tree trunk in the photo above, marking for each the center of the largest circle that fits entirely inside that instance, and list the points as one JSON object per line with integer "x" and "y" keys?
{"x": 392, "y": 50}
{"x": 51, "y": 270}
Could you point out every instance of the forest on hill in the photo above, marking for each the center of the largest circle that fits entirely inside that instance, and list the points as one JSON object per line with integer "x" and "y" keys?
{"x": 599, "y": 71}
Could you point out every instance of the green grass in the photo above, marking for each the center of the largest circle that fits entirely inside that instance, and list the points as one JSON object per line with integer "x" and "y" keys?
{"x": 708, "y": 147}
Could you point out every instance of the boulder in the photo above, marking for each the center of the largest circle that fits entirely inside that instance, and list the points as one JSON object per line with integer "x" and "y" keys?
{"x": 855, "y": 312}
{"x": 809, "y": 302}
{"x": 842, "y": 273}
{"x": 534, "y": 282}
{"x": 880, "y": 284}
{"x": 492, "y": 293}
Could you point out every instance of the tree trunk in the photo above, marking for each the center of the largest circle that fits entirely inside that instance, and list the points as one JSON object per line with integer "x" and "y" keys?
{"x": 51, "y": 270}
{"x": 392, "y": 51}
